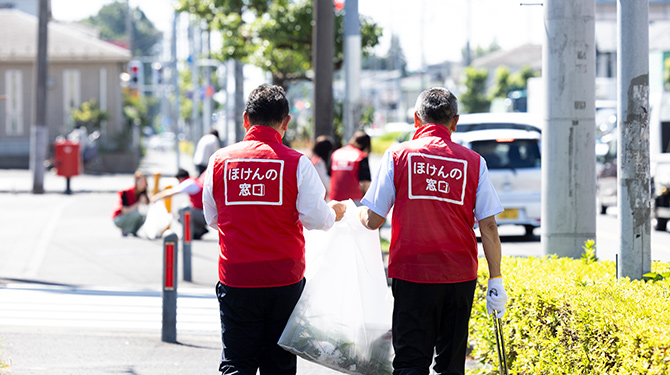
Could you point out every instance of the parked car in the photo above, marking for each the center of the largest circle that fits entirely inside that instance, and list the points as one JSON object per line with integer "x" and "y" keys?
{"x": 660, "y": 195}
{"x": 510, "y": 144}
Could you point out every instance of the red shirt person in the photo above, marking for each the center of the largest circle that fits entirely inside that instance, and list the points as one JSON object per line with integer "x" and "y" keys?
{"x": 350, "y": 169}
{"x": 437, "y": 189}
{"x": 259, "y": 194}
{"x": 127, "y": 215}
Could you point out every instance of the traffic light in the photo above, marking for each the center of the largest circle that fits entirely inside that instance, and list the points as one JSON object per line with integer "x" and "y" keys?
{"x": 136, "y": 74}
{"x": 156, "y": 74}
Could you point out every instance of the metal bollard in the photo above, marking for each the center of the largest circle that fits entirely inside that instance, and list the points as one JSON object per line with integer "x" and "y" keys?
{"x": 169, "y": 330}
{"x": 187, "y": 237}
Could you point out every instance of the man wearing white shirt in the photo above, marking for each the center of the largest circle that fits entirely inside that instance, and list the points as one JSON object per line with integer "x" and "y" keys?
{"x": 437, "y": 189}
{"x": 259, "y": 194}
{"x": 205, "y": 148}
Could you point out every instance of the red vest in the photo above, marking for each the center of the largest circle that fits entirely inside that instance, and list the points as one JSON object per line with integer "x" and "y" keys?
{"x": 131, "y": 199}
{"x": 432, "y": 240}
{"x": 344, "y": 166}
{"x": 196, "y": 199}
{"x": 260, "y": 235}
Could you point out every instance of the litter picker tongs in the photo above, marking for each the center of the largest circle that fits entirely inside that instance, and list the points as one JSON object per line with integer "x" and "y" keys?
{"x": 500, "y": 343}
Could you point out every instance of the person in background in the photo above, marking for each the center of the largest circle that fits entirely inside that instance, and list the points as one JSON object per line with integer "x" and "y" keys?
{"x": 127, "y": 215}
{"x": 437, "y": 189}
{"x": 192, "y": 187}
{"x": 321, "y": 151}
{"x": 206, "y": 146}
{"x": 259, "y": 194}
{"x": 350, "y": 169}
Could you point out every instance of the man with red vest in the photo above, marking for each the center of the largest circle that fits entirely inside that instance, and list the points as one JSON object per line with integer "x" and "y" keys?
{"x": 260, "y": 194}
{"x": 437, "y": 189}
{"x": 350, "y": 170}
{"x": 192, "y": 187}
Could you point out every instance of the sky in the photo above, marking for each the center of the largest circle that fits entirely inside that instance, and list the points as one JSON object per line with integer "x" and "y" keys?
{"x": 430, "y": 31}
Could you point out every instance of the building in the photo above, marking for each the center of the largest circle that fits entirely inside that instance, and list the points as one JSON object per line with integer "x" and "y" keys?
{"x": 81, "y": 68}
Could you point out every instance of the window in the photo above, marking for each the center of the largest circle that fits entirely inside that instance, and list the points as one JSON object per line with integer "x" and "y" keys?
{"x": 517, "y": 153}
{"x": 71, "y": 95}
{"x": 13, "y": 102}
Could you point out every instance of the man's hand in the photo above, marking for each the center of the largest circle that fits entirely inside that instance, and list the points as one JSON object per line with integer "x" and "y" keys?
{"x": 496, "y": 298}
{"x": 339, "y": 207}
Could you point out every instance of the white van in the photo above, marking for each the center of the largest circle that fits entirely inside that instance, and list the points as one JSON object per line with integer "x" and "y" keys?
{"x": 511, "y": 145}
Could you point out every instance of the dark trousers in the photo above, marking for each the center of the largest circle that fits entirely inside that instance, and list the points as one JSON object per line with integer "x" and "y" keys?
{"x": 427, "y": 319}
{"x": 252, "y": 320}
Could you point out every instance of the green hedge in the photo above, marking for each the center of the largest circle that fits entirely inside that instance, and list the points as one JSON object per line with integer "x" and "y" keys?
{"x": 568, "y": 316}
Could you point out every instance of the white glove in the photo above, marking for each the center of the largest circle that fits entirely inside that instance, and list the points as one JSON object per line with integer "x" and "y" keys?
{"x": 496, "y": 298}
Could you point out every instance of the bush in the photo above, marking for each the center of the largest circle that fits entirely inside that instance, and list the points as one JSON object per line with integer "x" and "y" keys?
{"x": 568, "y": 316}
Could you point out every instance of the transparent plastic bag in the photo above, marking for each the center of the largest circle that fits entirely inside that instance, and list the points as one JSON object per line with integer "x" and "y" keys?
{"x": 343, "y": 318}
{"x": 157, "y": 220}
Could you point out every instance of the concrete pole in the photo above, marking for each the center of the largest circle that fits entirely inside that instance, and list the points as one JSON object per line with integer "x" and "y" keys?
{"x": 39, "y": 132}
{"x": 195, "y": 78}
{"x": 176, "y": 113}
{"x": 240, "y": 132}
{"x": 207, "y": 100}
{"x": 323, "y": 41}
{"x": 568, "y": 137}
{"x": 352, "y": 69}
{"x": 634, "y": 204}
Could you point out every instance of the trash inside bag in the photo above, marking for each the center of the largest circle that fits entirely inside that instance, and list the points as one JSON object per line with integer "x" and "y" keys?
{"x": 343, "y": 318}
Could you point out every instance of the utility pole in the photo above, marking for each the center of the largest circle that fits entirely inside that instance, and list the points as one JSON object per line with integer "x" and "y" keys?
{"x": 568, "y": 136}
{"x": 634, "y": 179}
{"x": 240, "y": 132}
{"x": 39, "y": 131}
{"x": 176, "y": 111}
{"x": 207, "y": 100}
{"x": 129, "y": 27}
{"x": 352, "y": 69}
{"x": 195, "y": 82}
{"x": 323, "y": 40}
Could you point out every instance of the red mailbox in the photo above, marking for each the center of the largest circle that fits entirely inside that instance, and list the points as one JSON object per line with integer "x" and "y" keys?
{"x": 67, "y": 159}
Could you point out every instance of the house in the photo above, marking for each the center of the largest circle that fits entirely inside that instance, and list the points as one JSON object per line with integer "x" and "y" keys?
{"x": 81, "y": 68}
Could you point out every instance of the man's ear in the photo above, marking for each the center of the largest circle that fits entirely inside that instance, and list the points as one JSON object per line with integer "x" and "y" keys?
{"x": 417, "y": 121}
{"x": 454, "y": 121}
{"x": 246, "y": 123}
{"x": 284, "y": 124}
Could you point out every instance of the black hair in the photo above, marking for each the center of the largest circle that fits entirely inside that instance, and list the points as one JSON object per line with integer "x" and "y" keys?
{"x": 182, "y": 173}
{"x": 267, "y": 105}
{"x": 323, "y": 147}
{"x": 361, "y": 141}
{"x": 437, "y": 105}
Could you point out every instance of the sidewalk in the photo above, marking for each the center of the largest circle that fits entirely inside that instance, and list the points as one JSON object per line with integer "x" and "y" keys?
{"x": 59, "y": 250}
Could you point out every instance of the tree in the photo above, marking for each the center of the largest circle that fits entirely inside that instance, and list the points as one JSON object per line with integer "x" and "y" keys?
{"x": 394, "y": 59}
{"x": 89, "y": 115}
{"x": 501, "y": 87}
{"x": 273, "y": 35}
{"x": 480, "y": 51}
{"x": 506, "y": 82}
{"x": 111, "y": 21}
{"x": 474, "y": 98}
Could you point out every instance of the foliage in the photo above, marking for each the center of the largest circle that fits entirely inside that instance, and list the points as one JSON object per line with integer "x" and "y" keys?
{"x": 89, "y": 115}
{"x": 474, "y": 98}
{"x": 381, "y": 143}
{"x": 135, "y": 112}
{"x": 589, "y": 254}
{"x": 480, "y": 51}
{"x": 394, "y": 58}
{"x": 568, "y": 317}
{"x": 273, "y": 35}
{"x": 505, "y": 82}
{"x": 111, "y": 21}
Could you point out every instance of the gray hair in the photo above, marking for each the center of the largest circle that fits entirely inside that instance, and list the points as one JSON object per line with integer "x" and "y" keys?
{"x": 436, "y": 105}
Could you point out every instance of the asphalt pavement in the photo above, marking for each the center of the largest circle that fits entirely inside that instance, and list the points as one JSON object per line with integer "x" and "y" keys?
{"x": 76, "y": 297}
